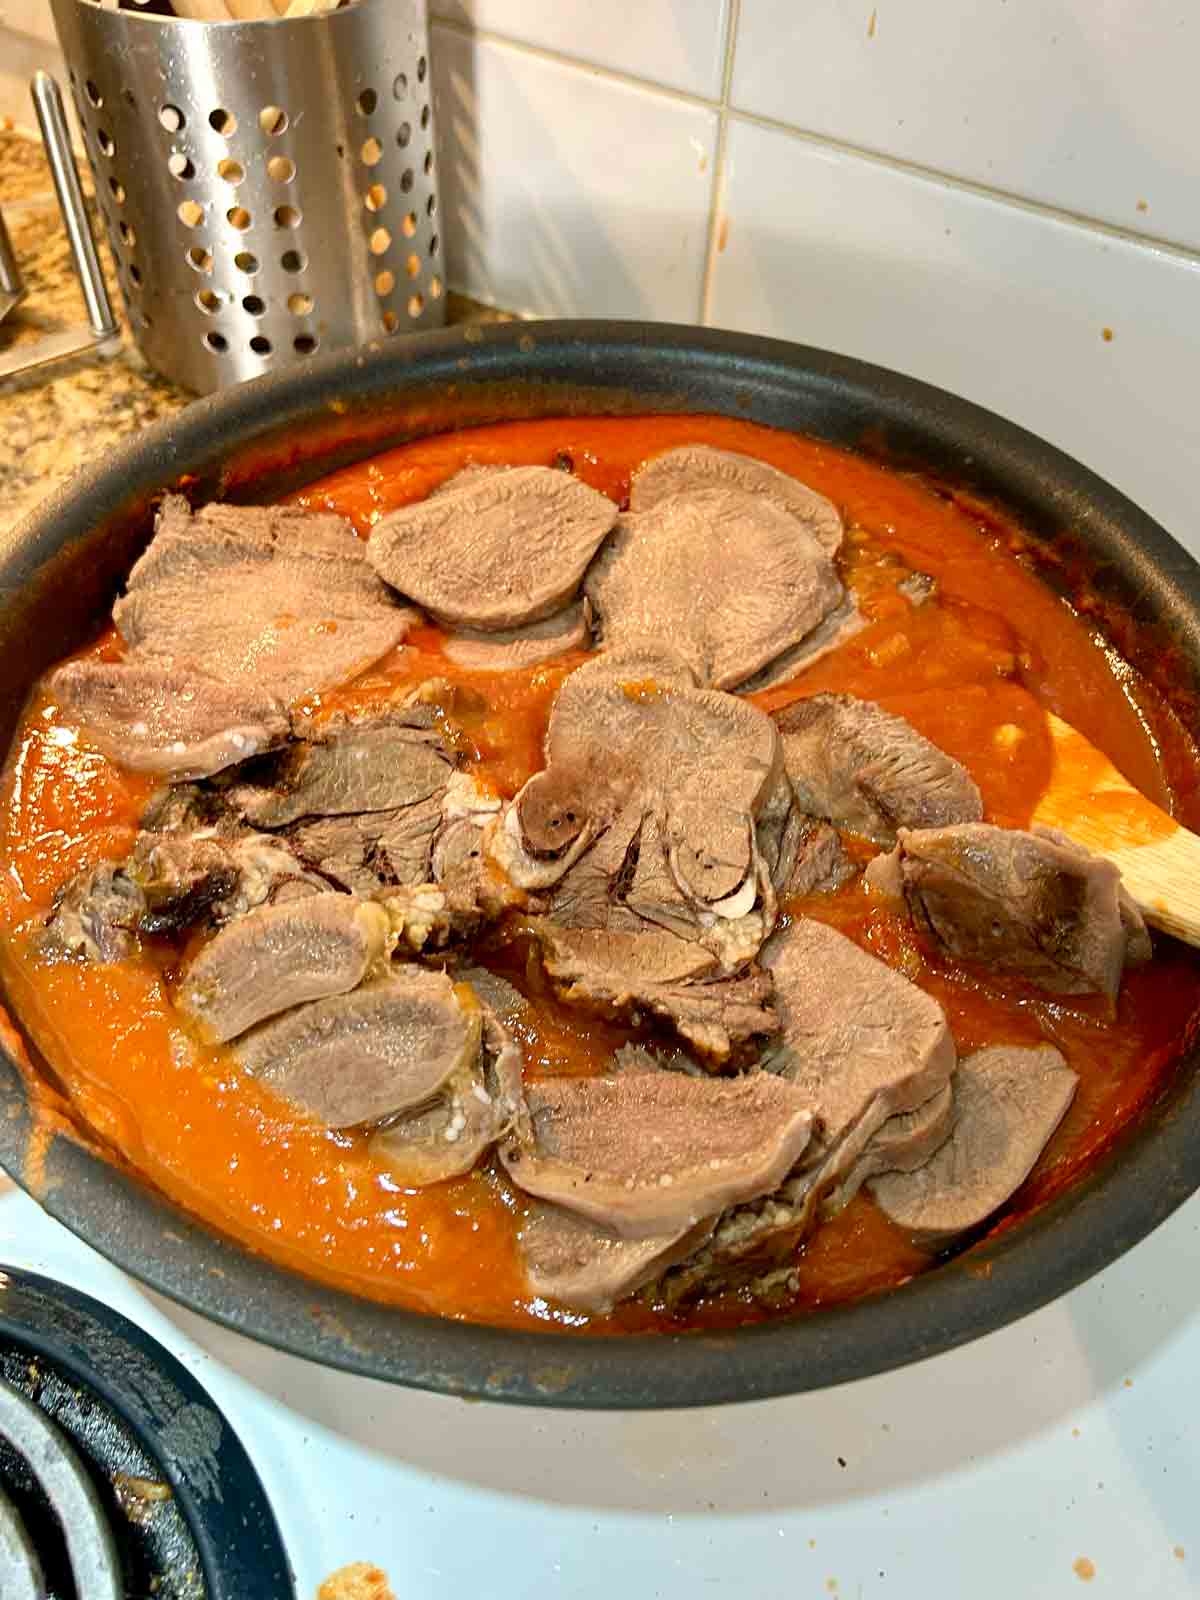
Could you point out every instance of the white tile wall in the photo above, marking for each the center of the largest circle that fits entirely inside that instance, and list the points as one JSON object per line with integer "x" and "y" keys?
{"x": 680, "y": 43}
{"x": 1003, "y": 304}
{"x": 1085, "y": 104}
{"x": 569, "y": 193}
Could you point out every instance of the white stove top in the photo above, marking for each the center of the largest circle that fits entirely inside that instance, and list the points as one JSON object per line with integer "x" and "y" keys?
{"x": 1059, "y": 1452}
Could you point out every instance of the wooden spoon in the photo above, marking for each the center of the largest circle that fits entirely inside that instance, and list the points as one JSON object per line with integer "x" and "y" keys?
{"x": 1159, "y": 860}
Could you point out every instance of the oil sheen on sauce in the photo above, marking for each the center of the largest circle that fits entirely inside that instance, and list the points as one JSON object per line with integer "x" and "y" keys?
{"x": 972, "y": 670}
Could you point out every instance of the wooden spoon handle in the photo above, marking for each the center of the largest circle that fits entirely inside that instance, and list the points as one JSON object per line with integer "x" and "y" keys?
{"x": 1159, "y": 860}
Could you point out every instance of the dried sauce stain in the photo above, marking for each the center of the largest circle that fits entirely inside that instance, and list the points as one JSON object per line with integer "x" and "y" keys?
{"x": 1083, "y": 1568}
{"x": 1107, "y": 335}
{"x": 722, "y": 235}
{"x": 1178, "y": 1552}
{"x": 358, "y": 1581}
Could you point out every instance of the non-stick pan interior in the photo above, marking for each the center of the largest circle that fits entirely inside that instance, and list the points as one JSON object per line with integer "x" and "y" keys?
{"x": 60, "y": 570}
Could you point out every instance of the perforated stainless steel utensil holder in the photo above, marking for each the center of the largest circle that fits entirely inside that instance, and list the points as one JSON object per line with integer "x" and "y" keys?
{"x": 267, "y": 187}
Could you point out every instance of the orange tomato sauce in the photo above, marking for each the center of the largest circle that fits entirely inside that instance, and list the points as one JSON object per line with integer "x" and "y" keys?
{"x": 984, "y": 658}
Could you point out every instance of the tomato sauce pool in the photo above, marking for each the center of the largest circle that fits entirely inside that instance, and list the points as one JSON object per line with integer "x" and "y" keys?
{"x": 988, "y": 655}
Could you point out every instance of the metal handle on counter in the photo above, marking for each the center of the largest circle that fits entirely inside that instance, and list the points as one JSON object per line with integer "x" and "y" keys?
{"x": 47, "y": 102}
{"x": 11, "y": 282}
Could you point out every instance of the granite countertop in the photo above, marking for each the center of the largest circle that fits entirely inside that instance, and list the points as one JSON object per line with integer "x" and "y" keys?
{"x": 53, "y": 419}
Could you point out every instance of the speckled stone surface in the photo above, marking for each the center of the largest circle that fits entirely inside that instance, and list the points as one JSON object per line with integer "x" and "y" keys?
{"x": 53, "y": 419}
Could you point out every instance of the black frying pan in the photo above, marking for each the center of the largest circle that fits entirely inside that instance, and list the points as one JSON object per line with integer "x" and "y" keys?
{"x": 59, "y": 572}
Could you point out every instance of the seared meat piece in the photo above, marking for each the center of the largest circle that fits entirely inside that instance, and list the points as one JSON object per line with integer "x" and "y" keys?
{"x": 870, "y": 771}
{"x": 696, "y": 466}
{"x": 358, "y": 1058}
{"x": 589, "y": 1267}
{"x": 163, "y": 715}
{"x": 278, "y": 957}
{"x": 644, "y": 1153}
{"x": 820, "y": 865}
{"x": 96, "y": 915}
{"x": 1009, "y": 1102}
{"x": 269, "y": 596}
{"x": 495, "y": 550}
{"x": 514, "y": 648}
{"x": 171, "y": 882}
{"x": 476, "y": 1107}
{"x": 728, "y": 579}
{"x": 1031, "y": 903}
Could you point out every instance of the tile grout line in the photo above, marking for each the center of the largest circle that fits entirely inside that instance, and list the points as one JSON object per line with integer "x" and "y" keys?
{"x": 875, "y": 158}
{"x": 716, "y": 205}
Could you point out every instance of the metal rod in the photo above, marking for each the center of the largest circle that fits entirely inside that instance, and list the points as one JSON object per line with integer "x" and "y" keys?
{"x": 10, "y": 273}
{"x": 47, "y": 102}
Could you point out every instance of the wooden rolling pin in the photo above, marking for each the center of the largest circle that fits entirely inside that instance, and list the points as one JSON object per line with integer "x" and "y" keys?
{"x": 1159, "y": 860}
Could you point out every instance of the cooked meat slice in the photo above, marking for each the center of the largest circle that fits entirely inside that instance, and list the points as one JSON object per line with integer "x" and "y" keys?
{"x": 380, "y": 764}
{"x": 373, "y": 851}
{"x": 161, "y": 715}
{"x": 609, "y": 972}
{"x": 867, "y": 770}
{"x": 511, "y": 649}
{"x": 357, "y": 1058}
{"x": 588, "y": 1267}
{"x": 645, "y": 1153}
{"x": 478, "y": 1106}
{"x": 729, "y": 579}
{"x": 269, "y": 597}
{"x": 903, "y": 1143}
{"x": 630, "y": 731}
{"x": 183, "y": 878}
{"x": 838, "y": 628}
{"x": 859, "y": 1040}
{"x": 862, "y": 1045}
{"x": 278, "y": 957}
{"x": 1018, "y": 902}
{"x": 1009, "y": 1102}
{"x": 96, "y": 915}
{"x": 497, "y": 551}
{"x": 696, "y": 466}
{"x": 821, "y": 865}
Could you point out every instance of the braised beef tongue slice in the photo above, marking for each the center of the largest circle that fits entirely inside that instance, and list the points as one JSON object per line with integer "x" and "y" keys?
{"x": 517, "y": 649}
{"x": 859, "y": 1039}
{"x": 278, "y": 957}
{"x": 1009, "y": 1102}
{"x": 869, "y": 771}
{"x": 475, "y": 1108}
{"x": 837, "y": 629}
{"x": 496, "y": 550}
{"x": 728, "y": 578}
{"x": 588, "y": 1267}
{"x": 1027, "y": 903}
{"x": 904, "y": 1142}
{"x": 272, "y": 596}
{"x": 645, "y": 1153}
{"x": 358, "y": 1058}
{"x": 163, "y": 716}
{"x": 862, "y": 1045}
{"x": 632, "y": 731}
{"x": 697, "y": 466}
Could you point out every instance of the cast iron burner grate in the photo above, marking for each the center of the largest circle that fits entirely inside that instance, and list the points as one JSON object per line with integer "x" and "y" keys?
{"x": 119, "y": 1478}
